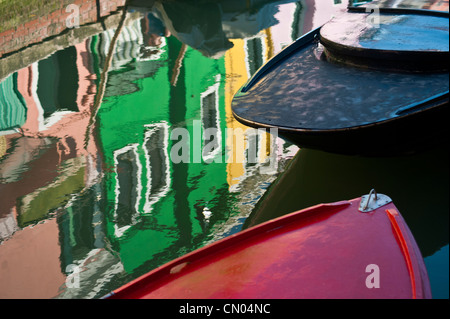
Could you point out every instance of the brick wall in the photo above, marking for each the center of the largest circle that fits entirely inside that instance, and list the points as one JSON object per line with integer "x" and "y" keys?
{"x": 49, "y": 24}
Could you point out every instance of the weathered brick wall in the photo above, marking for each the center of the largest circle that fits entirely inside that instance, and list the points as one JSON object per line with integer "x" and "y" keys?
{"x": 53, "y": 23}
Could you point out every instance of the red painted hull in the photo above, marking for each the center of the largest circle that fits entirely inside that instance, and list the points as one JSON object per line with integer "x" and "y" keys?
{"x": 326, "y": 251}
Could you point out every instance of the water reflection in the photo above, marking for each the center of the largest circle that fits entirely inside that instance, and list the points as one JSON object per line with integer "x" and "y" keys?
{"x": 85, "y": 168}
{"x": 86, "y": 176}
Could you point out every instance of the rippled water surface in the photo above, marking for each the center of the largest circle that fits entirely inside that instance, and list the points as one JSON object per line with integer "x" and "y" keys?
{"x": 89, "y": 178}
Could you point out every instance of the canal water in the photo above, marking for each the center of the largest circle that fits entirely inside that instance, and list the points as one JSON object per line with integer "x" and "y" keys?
{"x": 96, "y": 188}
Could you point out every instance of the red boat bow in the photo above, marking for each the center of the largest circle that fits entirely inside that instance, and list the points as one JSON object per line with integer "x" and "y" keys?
{"x": 326, "y": 251}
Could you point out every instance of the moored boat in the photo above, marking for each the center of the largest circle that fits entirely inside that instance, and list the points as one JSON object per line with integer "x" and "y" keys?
{"x": 364, "y": 83}
{"x": 355, "y": 249}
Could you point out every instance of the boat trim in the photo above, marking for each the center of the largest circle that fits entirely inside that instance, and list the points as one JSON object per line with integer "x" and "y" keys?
{"x": 420, "y": 105}
{"x": 392, "y": 213}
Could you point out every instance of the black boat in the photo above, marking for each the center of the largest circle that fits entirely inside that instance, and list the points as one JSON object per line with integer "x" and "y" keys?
{"x": 366, "y": 83}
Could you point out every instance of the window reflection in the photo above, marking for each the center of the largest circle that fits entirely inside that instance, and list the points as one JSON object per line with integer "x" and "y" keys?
{"x": 58, "y": 82}
{"x": 158, "y": 165}
{"x": 212, "y": 136}
{"x": 128, "y": 172}
{"x": 254, "y": 54}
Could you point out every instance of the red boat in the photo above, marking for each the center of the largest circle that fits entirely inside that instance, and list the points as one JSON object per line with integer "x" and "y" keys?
{"x": 356, "y": 249}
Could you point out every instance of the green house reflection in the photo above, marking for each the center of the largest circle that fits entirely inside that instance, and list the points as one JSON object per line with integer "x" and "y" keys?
{"x": 119, "y": 204}
{"x": 154, "y": 208}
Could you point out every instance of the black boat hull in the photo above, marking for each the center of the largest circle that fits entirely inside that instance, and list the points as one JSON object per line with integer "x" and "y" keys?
{"x": 318, "y": 104}
{"x": 412, "y": 134}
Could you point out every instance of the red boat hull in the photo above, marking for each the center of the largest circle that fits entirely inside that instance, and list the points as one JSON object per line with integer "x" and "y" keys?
{"x": 326, "y": 251}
